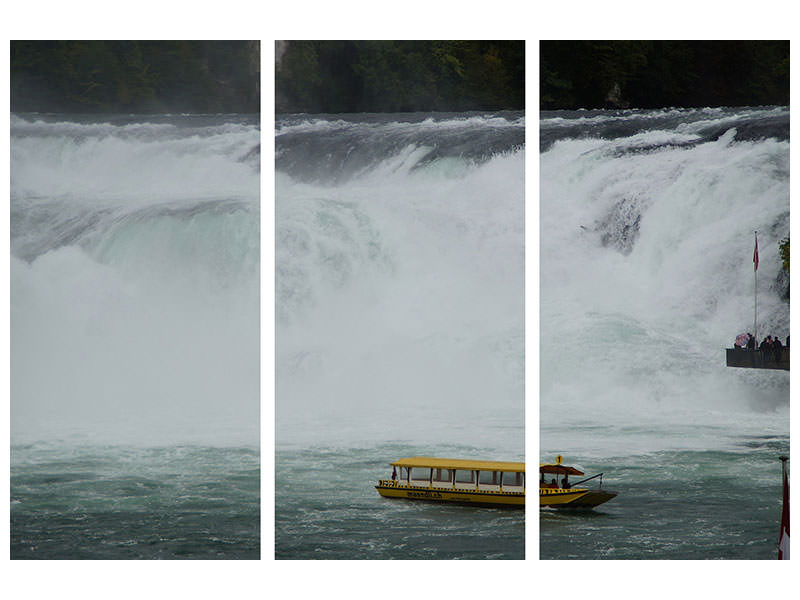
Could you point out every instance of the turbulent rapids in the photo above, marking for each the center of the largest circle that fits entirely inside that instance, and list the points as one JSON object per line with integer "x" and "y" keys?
{"x": 647, "y": 221}
{"x": 134, "y": 337}
{"x": 399, "y": 283}
{"x": 134, "y": 278}
{"x": 399, "y": 325}
{"x": 646, "y": 250}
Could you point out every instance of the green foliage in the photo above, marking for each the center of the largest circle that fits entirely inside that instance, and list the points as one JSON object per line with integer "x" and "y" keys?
{"x": 656, "y": 74}
{"x": 785, "y": 253}
{"x": 400, "y": 76}
{"x": 134, "y": 76}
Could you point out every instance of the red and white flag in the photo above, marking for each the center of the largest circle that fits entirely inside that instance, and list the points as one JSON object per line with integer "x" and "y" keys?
{"x": 755, "y": 256}
{"x": 783, "y": 543}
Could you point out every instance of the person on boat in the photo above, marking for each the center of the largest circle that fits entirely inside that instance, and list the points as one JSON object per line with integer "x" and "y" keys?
{"x": 565, "y": 482}
{"x": 394, "y": 473}
{"x": 751, "y": 342}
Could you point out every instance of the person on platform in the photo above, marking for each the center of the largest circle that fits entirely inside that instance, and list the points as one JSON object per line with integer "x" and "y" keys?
{"x": 777, "y": 349}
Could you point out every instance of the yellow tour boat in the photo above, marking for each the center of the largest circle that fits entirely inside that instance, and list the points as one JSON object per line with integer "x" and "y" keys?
{"x": 556, "y": 491}
{"x": 458, "y": 481}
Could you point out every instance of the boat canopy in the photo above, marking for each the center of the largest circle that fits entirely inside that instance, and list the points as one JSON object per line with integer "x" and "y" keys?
{"x": 559, "y": 469}
{"x": 457, "y": 463}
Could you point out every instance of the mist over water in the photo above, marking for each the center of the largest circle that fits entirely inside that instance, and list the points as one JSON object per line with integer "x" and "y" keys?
{"x": 399, "y": 253}
{"x": 647, "y": 221}
{"x": 647, "y": 271}
{"x": 134, "y": 279}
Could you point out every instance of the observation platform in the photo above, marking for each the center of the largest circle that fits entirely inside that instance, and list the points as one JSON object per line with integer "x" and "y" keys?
{"x": 757, "y": 359}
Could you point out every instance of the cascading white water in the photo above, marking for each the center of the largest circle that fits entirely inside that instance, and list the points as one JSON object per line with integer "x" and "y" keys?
{"x": 647, "y": 221}
{"x": 135, "y": 279}
{"x": 400, "y": 296}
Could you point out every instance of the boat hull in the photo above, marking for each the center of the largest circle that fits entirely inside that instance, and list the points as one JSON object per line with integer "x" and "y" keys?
{"x": 573, "y": 498}
{"x": 453, "y": 496}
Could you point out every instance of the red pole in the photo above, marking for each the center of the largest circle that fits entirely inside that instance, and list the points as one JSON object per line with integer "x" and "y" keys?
{"x": 783, "y": 542}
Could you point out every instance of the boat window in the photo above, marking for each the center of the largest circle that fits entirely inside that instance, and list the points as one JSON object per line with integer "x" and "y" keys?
{"x": 512, "y": 478}
{"x": 404, "y": 472}
{"x": 420, "y": 473}
{"x": 490, "y": 477}
{"x": 445, "y": 475}
{"x": 463, "y": 476}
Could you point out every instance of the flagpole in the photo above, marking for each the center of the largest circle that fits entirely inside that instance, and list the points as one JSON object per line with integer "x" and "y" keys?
{"x": 755, "y": 292}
